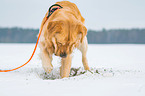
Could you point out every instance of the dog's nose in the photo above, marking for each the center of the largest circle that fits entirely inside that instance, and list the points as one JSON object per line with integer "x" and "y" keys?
{"x": 63, "y": 55}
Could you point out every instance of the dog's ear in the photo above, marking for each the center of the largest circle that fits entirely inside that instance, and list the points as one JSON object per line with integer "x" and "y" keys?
{"x": 53, "y": 27}
{"x": 49, "y": 30}
{"x": 82, "y": 32}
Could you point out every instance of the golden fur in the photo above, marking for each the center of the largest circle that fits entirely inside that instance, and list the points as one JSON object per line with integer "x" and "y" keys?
{"x": 62, "y": 32}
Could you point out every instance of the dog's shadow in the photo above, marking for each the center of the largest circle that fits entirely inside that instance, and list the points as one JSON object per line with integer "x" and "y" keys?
{"x": 55, "y": 74}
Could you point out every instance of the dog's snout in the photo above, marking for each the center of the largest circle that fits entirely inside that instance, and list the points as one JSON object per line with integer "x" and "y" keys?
{"x": 63, "y": 55}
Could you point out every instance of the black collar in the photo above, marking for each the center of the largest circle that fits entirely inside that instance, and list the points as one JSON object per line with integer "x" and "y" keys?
{"x": 51, "y": 10}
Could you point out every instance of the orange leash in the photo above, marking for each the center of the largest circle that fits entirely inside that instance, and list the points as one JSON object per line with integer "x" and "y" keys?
{"x": 31, "y": 55}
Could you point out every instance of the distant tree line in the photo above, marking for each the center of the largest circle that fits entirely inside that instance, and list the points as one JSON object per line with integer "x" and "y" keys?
{"x": 18, "y": 35}
{"x": 132, "y": 36}
{"x": 114, "y": 36}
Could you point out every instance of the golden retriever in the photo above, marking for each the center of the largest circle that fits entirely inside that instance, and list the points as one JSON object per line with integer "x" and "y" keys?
{"x": 61, "y": 33}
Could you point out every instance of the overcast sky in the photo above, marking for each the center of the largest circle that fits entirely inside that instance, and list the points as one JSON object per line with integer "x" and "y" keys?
{"x": 97, "y": 13}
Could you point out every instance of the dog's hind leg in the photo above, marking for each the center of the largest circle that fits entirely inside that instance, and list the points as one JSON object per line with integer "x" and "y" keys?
{"x": 83, "y": 48}
{"x": 46, "y": 61}
{"x": 65, "y": 66}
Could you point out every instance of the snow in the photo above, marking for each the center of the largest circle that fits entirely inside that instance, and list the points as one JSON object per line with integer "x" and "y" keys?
{"x": 116, "y": 70}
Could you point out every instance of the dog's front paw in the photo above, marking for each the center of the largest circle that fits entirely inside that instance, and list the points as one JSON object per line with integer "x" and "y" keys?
{"x": 87, "y": 68}
{"x": 47, "y": 69}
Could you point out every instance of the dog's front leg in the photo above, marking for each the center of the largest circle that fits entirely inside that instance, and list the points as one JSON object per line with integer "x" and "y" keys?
{"x": 46, "y": 61}
{"x": 83, "y": 48}
{"x": 65, "y": 66}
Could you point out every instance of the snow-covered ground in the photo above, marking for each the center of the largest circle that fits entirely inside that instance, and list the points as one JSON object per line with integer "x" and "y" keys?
{"x": 118, "y": 70}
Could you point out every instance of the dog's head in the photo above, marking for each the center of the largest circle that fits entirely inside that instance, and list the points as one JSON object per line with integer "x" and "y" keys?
{"x": 65, "y": 36}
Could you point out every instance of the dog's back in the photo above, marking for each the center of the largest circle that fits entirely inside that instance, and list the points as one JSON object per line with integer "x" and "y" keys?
{"x": 69, "y": 7}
